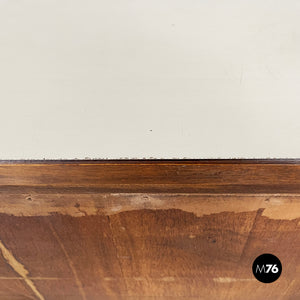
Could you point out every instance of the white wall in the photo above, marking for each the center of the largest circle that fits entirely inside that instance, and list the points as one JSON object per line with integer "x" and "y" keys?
{"x": 149, "y": 78}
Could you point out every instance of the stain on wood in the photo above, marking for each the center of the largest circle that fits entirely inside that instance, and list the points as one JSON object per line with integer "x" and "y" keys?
{"x": 76, "y": 231}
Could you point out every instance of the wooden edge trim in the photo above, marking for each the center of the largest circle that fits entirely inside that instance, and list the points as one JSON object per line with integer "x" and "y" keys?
{"x": 151, "y": 176}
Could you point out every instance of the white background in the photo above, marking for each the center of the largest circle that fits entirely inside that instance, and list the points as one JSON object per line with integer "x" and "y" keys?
{"x": 141, "y": 79}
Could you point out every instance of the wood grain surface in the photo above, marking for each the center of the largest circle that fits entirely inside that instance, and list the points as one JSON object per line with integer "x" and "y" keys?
{"x": 92, "y": 230}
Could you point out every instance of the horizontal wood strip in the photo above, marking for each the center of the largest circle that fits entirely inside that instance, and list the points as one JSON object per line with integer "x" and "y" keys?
{"x": 152, "y": 176}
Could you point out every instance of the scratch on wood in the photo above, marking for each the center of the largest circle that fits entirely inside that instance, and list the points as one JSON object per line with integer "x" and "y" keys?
{"x": 33, "y": 278}
{"x": 117, "y": 254}
{"x": 230, "y": 279}
{"x": 288, "y": 288}
{"x": 70, "y": 262}
{"x": 20, "y": 269}
{"x": 246, "y": 245}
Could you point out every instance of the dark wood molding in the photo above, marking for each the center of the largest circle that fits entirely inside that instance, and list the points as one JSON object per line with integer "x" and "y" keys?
{"x": 156, "y": 176}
